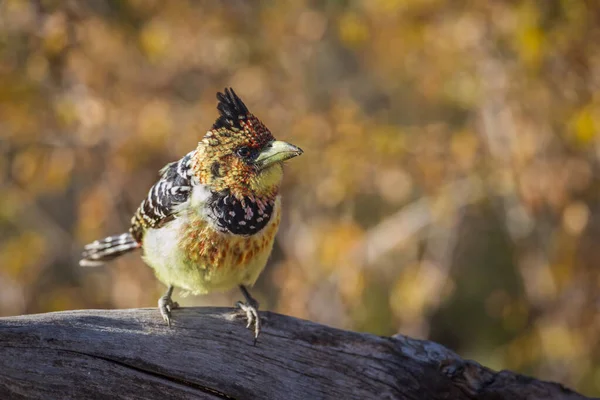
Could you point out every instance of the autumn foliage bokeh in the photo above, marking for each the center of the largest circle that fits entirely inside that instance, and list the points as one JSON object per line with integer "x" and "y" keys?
{"x": 449, "y": 187}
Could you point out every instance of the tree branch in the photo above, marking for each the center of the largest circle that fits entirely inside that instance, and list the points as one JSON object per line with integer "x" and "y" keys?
{"x": 208, "y": 354}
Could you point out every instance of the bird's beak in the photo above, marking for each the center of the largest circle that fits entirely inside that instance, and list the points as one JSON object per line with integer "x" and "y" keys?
{"x": 276, "y": 151}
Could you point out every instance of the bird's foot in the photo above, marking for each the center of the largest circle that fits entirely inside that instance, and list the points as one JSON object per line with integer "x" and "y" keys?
{"x": 166, "y": 305}
{"x": 250, "y": 308}
{"x": 252, "y": 316}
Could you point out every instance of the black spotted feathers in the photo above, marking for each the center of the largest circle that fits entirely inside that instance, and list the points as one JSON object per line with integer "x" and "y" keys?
{"x": 245, "y": 217}
{"x": 232, "y": 110}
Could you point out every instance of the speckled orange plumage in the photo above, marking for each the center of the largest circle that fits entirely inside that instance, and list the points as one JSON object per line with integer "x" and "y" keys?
{"x": 214, "y": 250}
{"x": 216, "y": 164}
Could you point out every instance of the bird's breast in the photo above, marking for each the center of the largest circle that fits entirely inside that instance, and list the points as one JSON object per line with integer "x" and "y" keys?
{"x": 193, "y": 253}
{"x": 214, "y": 259}
{"x": 207, "y": 245}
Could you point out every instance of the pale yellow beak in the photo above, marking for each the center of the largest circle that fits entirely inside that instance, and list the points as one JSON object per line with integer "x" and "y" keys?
{"x": 276, "y": 151}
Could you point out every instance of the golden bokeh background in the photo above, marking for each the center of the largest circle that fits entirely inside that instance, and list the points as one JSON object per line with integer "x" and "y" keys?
{"x": 450, "y": 183}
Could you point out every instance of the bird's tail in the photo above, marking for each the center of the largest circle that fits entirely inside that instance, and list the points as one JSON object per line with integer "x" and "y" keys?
{"x": 101, "y": 251}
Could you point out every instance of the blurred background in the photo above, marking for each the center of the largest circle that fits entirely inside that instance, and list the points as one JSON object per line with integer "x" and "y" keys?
{"x": 449, "y": 187}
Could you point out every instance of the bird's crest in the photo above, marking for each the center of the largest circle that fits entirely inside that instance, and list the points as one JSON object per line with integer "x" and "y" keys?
{"x": 231, "y": 109}
{"x": 226, "y": 152}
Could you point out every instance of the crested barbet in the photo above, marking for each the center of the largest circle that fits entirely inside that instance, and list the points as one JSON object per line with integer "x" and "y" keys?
{"x": 209, "y": 222}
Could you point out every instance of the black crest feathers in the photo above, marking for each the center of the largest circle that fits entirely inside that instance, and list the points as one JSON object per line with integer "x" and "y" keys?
{"x": 231, "y": 108}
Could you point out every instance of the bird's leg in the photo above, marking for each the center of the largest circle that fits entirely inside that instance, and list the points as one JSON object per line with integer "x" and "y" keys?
{"x": 250, "y": 307}
{"x": 166, "y": 305}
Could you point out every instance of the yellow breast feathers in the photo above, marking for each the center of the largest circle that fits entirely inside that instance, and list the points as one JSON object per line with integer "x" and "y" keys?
{"x": 206, "y": 258}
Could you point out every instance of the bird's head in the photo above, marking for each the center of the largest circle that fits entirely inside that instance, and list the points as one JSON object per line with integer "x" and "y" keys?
{"x": 240, "y": 154}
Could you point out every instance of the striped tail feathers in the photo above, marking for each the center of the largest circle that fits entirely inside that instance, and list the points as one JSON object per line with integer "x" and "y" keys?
{"x": 109, "y": 248}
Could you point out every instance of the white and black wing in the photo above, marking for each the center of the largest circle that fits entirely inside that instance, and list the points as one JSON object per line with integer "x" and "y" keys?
{"x": 173, "y": 189}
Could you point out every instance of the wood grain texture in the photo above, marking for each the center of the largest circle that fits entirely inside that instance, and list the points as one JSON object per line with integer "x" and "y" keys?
{"x": 208, "y": 354}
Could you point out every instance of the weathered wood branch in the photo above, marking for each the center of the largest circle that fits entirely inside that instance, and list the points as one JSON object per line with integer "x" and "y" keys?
{"x": 208, "y": 354}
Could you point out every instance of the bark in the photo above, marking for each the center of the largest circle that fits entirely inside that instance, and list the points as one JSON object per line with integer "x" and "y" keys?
{"x": 208, "y": 354}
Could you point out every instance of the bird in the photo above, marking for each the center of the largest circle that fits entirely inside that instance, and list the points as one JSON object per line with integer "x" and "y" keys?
{"x": 209, "y": 222}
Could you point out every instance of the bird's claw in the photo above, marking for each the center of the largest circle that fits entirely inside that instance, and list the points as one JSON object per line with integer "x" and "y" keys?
{"x": 252, "y": 317}
{"x": 165, "y": 306}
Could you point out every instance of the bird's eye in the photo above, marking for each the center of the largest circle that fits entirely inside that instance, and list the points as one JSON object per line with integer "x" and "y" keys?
{"x": 243, "y": 152}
